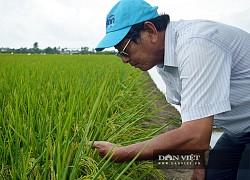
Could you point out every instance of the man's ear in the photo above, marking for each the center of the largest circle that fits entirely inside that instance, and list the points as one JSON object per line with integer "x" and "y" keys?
{"x": 150, "y": 28}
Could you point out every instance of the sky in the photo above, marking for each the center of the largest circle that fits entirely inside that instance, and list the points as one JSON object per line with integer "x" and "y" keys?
{"x": 81, "y": 23}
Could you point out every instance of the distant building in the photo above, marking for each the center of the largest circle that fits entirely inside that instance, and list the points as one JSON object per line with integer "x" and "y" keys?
{"x": 70, "y": 51}
{"x": 2, "y": 49}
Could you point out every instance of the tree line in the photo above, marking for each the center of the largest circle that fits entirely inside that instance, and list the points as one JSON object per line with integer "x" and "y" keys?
{"x": 55, "y": 50}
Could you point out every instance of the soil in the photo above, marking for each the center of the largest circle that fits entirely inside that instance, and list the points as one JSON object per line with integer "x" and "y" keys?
{"x": 166, "y": 115}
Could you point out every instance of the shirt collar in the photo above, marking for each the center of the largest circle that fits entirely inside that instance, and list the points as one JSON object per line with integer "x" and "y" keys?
{"x": 170, "y": 46}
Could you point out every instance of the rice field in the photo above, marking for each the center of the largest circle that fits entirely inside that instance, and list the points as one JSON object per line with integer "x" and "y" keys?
{"x": 51, "y": 106}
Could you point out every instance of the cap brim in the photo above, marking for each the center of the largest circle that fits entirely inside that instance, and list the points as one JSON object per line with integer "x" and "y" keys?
{"x": 112, "y": 38}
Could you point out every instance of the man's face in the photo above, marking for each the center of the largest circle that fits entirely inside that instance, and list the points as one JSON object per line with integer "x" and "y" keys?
{"x": 143, "y": 55}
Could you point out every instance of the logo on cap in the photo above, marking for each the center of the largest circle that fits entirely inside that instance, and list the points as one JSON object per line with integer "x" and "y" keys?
{"x": 110, "y": 21}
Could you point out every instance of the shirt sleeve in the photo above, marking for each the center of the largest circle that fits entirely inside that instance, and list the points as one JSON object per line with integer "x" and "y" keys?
{"x": 205, "y": 70}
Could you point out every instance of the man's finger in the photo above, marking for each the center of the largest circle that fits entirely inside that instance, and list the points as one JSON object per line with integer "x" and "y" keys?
{"x": 93, "y": 143}
{"x": 96, "y": 144}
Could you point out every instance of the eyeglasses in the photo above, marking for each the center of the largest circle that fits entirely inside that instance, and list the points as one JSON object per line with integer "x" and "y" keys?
{"x": 122, "y": 53}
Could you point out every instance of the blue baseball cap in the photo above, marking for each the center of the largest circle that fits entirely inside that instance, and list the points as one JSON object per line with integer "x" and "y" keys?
{"x": 122, "y": 17}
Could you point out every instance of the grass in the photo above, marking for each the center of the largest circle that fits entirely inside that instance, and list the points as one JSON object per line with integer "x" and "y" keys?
{"x": 52, "y": 106}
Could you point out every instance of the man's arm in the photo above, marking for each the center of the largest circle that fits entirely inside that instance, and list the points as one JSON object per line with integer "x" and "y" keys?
{"x": 191, "y": 137}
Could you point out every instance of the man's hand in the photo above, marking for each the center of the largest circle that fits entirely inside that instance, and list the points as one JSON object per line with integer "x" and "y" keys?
{"x": 104, "y": 148}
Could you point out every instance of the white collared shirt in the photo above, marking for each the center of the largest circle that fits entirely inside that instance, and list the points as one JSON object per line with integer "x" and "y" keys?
{"x": 207, "y": 71}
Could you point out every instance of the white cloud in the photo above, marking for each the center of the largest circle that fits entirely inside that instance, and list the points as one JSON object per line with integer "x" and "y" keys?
{"x": 240, "y": 19}
{"x": 77, "y": 23}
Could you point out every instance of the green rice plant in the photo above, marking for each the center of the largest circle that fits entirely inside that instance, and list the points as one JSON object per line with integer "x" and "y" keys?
{"x": 51, "y": 106}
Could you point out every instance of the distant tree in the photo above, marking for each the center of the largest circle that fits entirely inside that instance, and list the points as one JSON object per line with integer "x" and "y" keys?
{"x": 84, "y": 50}
{"x": 49, "y": 50}
{"x": 56, "y": 51}
{"x": 35, "y": 46}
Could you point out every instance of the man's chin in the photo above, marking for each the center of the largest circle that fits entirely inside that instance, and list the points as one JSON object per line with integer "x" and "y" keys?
{"x": 144, "y": 68}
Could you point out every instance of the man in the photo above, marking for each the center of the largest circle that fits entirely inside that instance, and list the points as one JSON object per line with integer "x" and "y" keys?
{"x": 206, "y": 68}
